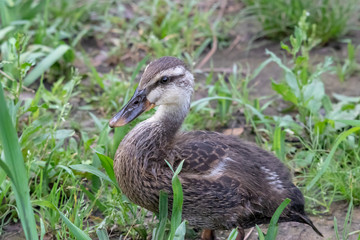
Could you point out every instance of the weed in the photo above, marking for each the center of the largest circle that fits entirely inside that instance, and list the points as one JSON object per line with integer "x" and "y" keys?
{"x": 350, "y": 65}
{"x": 333, "y": 18}
{"x": 177, "y": 226}
{"x": 273, "y": 226}
{"x": 14, "y": 167}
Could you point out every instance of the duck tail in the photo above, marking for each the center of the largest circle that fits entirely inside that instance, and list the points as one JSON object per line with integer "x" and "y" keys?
{"x": 305, "y": 219}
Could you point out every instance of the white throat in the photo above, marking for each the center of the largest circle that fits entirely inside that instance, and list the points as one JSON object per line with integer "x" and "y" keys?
{"x": 172, "y": 112}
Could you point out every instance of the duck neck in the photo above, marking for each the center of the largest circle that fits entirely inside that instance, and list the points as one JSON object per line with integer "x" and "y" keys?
{"x": 170, "y": 117}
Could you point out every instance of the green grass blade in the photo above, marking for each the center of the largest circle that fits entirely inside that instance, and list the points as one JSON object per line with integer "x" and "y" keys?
{"x": 5, "y": 31}
{"x": 177, "y": 202}
{"x": 348, "y": 220}
{"x": 108, "y": 165}
{"x": 15, "y": 163}
{"x": 77, "y": 232}
{"x": 102, "y": 234}
{"x": 272, "y": 230}
{"x": 138, "y": 68}
{"x": 45, "y": 64}
{"x": 92, "y": 170}
{"x": 327, "y": 161}
{"x": 159, "y": 232}
{"x": 260, "y": 233}
{"x": 94, "y": 199}
{"x": 101, "y": 231}
{"x": 180, "y": 231}
{"x": 279, "y": 142}
{"x": 95, "y": 73}
{"x": 42, "y": 229}
{"x": 254, "y": 110}
{"x": 135, "y": 73}
{"x": 233, "y": 234}
{"x": 355, "y": 123}
{"x": 4, "y": 14}
{"x": 5, "y": 168}
{"x": 336, "y": 228}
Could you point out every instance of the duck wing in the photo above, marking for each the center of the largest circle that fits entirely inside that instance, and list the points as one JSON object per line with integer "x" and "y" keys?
{"x": 230, "y": 176}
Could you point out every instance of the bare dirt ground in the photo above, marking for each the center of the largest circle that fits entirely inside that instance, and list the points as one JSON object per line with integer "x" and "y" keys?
{"x": 298, "y": 231}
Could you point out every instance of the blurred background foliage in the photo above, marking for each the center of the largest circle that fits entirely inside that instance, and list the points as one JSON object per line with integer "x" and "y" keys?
{"x": 67, "y": 66}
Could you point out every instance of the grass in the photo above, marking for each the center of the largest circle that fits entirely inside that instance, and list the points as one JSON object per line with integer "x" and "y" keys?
{"x": 333, "y": 18}
{"x": 273, "y": 226}
{"x": 13, "y": 166}
{"x": 61, "y": 147}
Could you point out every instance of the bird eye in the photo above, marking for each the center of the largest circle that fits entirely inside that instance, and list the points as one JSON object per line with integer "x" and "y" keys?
{"x": 164, "y": 79}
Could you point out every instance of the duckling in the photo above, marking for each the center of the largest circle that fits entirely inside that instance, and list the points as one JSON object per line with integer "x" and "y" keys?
{"x": 227, "y": 182}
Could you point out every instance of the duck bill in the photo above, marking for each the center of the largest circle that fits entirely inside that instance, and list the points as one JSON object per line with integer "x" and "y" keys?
{"x": 136, "y": 106}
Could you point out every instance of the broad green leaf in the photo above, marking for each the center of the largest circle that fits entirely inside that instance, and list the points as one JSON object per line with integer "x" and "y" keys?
{"x": 16, "y": 170}
{"x": 285, "y": 47}
{"x": 355, "y": 123}
{"x": 285, "y": 91}
{"x": 108, "y": 165}
{"x": 45, "y": 64}
{"x": 3, "y": 173}
{"x": 44, "y": 203}
{"x": 68, "y": 170}
{"x": 5, "y": 30}
{"x": 5, "y": 16}
{"x": 6, "y": 169}
{"x": 313, "y": 93}
{"x": 92, "y": 170}
{"x": 63, "y": 133}
{"x": 292, "y": 82}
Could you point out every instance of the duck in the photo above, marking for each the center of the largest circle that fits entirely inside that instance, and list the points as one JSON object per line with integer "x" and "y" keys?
{"x": 227, "y": 182}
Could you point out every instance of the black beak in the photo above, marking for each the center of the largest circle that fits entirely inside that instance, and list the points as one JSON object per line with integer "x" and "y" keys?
{"x": 136, "y": 106}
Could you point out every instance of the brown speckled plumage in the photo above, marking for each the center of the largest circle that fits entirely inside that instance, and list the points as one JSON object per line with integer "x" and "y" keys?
{"x": 227, "y": 182}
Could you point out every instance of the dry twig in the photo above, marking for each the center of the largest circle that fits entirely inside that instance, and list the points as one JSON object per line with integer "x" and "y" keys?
{"x": 215, "y": 41}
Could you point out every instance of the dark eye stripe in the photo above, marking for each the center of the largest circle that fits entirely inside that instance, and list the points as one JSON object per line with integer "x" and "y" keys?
{"x": 157, "y": 83}
{"x": 170, "y": 78}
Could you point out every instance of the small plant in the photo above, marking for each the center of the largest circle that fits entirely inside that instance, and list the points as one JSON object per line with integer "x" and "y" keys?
{"x": 302, "y": 87}
{"x": 14, "y": 167}
{"x": 177, "y": 226}
{"x": 273, "y": 226}
{"x": 347, "y": 224}
{"x": 278, "y": 18}
{"x": 350, "y": 65}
